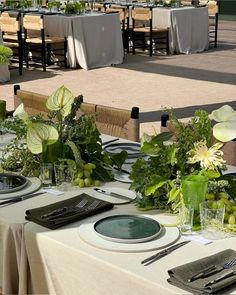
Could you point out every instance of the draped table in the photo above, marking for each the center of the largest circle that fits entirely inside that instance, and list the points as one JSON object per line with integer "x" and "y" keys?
{"x": 42, "y": 261}
{"x": 94, "y": 40}
{"x": 189, "y": 28}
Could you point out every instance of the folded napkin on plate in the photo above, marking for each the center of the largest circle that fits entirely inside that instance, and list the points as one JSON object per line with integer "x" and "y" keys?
{"x": 36, "y": 214}
{"x": 179, "y": 275}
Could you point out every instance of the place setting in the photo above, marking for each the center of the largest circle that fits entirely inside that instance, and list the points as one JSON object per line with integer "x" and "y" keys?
{"x": 14, "y": 187}
{"x": 127, "y": 233}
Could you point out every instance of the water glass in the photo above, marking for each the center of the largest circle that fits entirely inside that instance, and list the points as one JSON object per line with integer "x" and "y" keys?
{"x": 212, "y": 219}
{"x": 64, "y": 174}
{"x": 186, "y": 219}
{"x": 46, "y": 174}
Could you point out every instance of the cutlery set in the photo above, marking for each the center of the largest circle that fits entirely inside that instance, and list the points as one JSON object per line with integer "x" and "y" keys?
{"x": 213, "y": 269}
{"x": 64, "y": 211}
{"x": 112, "y": 194}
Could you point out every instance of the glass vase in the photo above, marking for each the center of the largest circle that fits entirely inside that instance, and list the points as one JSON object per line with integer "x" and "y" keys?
{"x": 194, "y": 188}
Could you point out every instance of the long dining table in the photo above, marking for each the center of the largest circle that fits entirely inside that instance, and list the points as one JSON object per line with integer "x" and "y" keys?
{"x": 37, "y": 260}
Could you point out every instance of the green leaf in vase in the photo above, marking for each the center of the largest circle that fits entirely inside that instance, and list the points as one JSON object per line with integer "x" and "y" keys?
{"x": 37, "y": 133}
{"x": 156, "y": 182}
{"x": 150, "y": 149}
{"x": 162, "y": 137}
{"x": 61, "y": 100}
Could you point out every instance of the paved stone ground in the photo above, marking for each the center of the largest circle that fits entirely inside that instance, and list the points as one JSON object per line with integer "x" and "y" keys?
{"x": 184, "y": 82}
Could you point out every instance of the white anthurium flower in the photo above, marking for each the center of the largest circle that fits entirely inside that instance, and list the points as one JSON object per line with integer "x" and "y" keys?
{"x": 21, "y": 113}
{"x": 61, "y": 100}
{"x": 223, "y": 114}
{"x": 37, "y": 133}
{"x": 225, "y": 129}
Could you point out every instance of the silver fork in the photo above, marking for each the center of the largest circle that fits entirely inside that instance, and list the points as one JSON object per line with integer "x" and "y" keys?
{"x": 93, "y": 205}
{"x": 63, "y": 210}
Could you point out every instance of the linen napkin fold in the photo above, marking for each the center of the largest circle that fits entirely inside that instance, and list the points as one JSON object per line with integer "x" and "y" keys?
{"x": 179, "y": 275}
{"x": 35, "y": 215}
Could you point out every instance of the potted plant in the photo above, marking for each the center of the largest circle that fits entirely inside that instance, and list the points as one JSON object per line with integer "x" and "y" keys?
{"x": 5, "y": 55}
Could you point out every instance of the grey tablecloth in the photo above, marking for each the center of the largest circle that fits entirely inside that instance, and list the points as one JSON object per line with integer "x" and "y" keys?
{"x": 189, "y": 31}
{"x": 94, "y": 40}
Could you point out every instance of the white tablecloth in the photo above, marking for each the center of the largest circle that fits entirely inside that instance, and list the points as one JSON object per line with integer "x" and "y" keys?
{"x": 42, "y": 261}
{"x": 189, "y": 29}
{"x": 94, "y": 40}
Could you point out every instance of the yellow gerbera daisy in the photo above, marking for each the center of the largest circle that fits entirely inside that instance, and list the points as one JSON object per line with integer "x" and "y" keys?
{"x": 209, "y": 158}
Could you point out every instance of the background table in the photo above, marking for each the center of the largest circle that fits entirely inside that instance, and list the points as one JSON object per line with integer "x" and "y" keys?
{"x": 94, "y": 40}
{"x": 189, "y": 28}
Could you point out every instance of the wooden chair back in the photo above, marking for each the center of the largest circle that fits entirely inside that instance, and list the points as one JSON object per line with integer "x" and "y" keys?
{"x": 141, "y": 14}
{"x": 213, "y": 8}
{"x": 9, "y": 24}
{"x": 34, "y": 103}
{"x": 114, "y": 121}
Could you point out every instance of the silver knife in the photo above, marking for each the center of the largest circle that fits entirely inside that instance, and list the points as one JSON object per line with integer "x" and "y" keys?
{"x": 163, "y": 253}
{"x": 112, "y": 194}
{"x": 22, "y": 198}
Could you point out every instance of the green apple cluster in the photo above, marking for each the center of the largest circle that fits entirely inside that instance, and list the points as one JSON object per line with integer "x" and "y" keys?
{"x": 83, "y": 177}
{"x": 217, "y": 201}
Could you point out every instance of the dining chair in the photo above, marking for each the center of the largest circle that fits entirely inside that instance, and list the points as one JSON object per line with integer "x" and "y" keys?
{"x": 34, "y": 103}
{"x": 10, "y": 27}
{"x": 36, "y": 40}
{"x": 114, "y": 121}
{"x": 143, "y": 33}
{"x": 124, "y": 22}
{"x": 213, "y": 10}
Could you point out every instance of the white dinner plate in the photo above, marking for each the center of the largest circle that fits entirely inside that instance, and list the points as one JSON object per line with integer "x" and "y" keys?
{"x": 167, "y": 237}
{"x": 132, "y": 149}
{"x": 114, "y": 200}
{"x": 121, "y": 176}
{"x": 33, "y": 184}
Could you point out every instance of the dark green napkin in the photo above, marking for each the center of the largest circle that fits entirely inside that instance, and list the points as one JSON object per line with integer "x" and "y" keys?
{"x": 179, "y": 276}
{"x": 36, "y": 214}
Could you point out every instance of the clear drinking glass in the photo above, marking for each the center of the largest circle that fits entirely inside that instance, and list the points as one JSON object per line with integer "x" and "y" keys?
{"x": 46, "y": 174}
{"x": 186, "y": 219}
{"x": 64, "y": 174}
{"x": 212, "y": 219}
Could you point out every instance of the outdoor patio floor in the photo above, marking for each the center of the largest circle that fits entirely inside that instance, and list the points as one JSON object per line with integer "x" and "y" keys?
{"x": 184, "y": 82}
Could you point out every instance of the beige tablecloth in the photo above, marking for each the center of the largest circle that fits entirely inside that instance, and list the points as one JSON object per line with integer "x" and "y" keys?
{"x": 94, "y": 40}
{"x": 189, "y": 32}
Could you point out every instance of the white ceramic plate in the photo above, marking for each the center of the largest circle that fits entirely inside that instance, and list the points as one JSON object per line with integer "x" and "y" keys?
{"x": 122, "y": 177}
{"x": 132, "y": 148}
{"x": 167, "y": 237}
{"x": 33, "y": 184}
{"x": 114, "y": 200}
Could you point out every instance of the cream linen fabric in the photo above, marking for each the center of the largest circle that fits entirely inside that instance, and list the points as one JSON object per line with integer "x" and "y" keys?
{"x": 189, "y": 31}
{"x": 62, "y": 263}
{"x": 94, "y": 40}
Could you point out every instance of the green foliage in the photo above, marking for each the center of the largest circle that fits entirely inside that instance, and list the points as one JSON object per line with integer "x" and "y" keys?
{"x": 5, "y": 54}
{"x": 73, "y": 8}
{"x": 157, "y": 178}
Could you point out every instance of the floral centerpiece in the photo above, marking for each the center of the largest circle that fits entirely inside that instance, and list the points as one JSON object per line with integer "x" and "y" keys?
{"x": 194, "y": 156}
{"x": 61, "y": 137}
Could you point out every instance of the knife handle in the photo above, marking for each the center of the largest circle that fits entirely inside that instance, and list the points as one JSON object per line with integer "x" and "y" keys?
{"x": 224, "y": 276}
{"x": 202, "y": 274}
